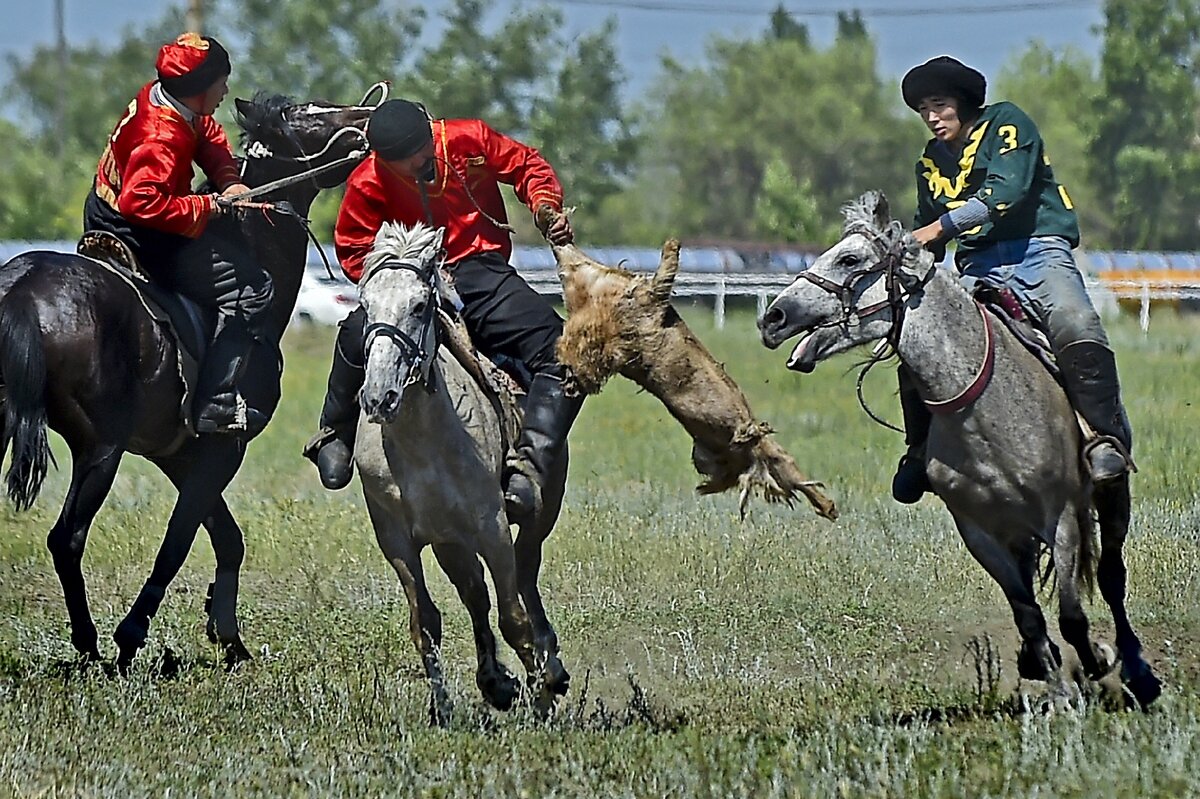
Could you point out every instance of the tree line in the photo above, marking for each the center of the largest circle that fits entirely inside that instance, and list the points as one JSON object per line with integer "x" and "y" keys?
{"x": 763, "y": 140}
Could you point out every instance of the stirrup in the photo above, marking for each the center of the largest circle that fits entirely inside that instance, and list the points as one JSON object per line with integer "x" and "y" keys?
{"x": 319, "y": 439}
{"x": 1102, "y": 476}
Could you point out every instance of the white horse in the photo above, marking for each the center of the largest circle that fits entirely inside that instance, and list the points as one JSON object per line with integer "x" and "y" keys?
{"x": 1003, "y": 447}
{"x": 430, "y": 451}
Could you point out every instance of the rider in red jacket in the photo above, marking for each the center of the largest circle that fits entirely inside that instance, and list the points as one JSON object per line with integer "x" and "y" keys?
{"x": 142, "y": 194}
{"x": 447, "y": 173}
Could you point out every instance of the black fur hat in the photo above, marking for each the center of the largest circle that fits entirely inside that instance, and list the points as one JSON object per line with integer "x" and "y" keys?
{"x": 944, "y": 76}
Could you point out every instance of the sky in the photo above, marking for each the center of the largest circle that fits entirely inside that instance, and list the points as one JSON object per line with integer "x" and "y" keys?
{"x": 983, "y": 33}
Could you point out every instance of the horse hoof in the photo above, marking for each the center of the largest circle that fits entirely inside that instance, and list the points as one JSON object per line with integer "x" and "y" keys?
{"x": 129, "y": 637}
{"x": 236, "y": 653}
{"x": 1142, "y": 689}
{"x": 499, "y": 688}
{"x": 558, "y": 681}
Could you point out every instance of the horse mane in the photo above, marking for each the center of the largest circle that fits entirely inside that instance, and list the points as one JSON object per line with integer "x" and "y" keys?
{"x": 260, "y": 114}
{"x": 396, "y": 242}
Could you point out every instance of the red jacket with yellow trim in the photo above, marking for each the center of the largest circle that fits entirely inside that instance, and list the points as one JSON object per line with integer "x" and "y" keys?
{"x": 145, "y": 172}
{"x": 480, "y": 159}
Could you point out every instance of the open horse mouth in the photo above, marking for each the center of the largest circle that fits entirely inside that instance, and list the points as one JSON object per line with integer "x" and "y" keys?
{"x": 804, "y": 355}
{"x": 775, "y": 327}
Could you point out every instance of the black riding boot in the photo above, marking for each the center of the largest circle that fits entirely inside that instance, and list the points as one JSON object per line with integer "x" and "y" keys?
{"x": 220, "y": 407}
{"x": 1089, "y": 371}
{"x": 910, "y": 482}
{"x": 332, "y": 448}
{"x": 549, "y": 414}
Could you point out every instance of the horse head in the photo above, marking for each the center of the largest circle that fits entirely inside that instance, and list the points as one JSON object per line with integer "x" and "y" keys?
{"x": 854, "y": 292}
{"x": 400, "y": 290}
{"x": 282, "y": 138}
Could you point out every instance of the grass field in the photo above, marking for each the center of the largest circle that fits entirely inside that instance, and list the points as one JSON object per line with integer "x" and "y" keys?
{"x": 779, "y": 656}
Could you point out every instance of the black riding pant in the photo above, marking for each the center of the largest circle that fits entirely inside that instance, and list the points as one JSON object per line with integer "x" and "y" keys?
{"x": 503, "y": 314}
{"x": 216, "y": 270}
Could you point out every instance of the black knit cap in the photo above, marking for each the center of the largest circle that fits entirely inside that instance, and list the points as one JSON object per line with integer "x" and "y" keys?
{"x": 947, "y": 77}
{"x": 398, "y": 129}
{"x": 198, "y": 80}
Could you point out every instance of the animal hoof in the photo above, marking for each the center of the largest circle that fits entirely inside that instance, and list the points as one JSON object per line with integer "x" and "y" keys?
{"x": 236, "y": 653}
{"x": 499, "y": 687}
{"x": 129, "y": 637}
{"x": 558, "y": 681}
{"x": 1142, "y": 689}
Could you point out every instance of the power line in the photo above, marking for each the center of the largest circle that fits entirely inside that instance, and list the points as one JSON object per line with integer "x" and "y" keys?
{"x": 680, "y": 6}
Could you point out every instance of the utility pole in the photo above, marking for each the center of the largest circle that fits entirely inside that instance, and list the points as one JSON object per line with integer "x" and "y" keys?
{"x": 195, "y": 16}
{"x": 60, "y": 111}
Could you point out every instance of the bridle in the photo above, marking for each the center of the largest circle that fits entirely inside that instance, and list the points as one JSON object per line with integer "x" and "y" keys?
{"x": 418, "y": 354}
{"x": 899, "y": 288}
{"x": 258, "y": 150}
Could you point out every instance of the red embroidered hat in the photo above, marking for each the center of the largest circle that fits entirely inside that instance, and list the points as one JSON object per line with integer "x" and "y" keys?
{"x": 191, "y": 64}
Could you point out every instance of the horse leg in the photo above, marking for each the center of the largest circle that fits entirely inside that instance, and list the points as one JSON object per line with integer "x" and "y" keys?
{"x": 92, "y": 474}
{"x": 221, "y": 604}
{"x": 528, "y": 551}
{"x": 212, "y": 461}
{"x": 230, "y": 549}
{"x": 1072, "y": 556}
{"x": 497, "y": 684}
{"x": 497, "y": 551}
{"x": 1038, "y": 659}
{"x": 424, "y": 619}
{"x": 1113, "y": 507}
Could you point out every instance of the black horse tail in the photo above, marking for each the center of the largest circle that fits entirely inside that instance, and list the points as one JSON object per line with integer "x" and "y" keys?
{"x": 23, "y": 375}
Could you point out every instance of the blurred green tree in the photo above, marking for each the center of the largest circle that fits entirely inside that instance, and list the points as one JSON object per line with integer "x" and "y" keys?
{"x": 1144, "y": 155}
{"x": 1060, "y": 90}
{"x": 519, "y": 75}
{"x": 763, "y": 118}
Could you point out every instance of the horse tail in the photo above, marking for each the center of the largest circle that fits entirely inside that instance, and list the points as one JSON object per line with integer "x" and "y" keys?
{"x": 1089, "y": 551}
{"x": 23, "y": 374}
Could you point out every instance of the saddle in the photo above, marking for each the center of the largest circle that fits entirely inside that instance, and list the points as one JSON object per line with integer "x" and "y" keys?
{"x": 499, "y": 385}
{"x": 186, "y": 323}
{"x": 1005, "y": 306}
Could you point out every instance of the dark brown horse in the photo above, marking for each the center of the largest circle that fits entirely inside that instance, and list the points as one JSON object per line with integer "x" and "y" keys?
{"x": 80, "y": 353}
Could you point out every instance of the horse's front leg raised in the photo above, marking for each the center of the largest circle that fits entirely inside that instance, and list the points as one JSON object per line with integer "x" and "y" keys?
{"x": 497, "y": 684}
{"x": 211, "y": 462}
{"x": 1113, "y": 507}
{"x": 92, "y": 473}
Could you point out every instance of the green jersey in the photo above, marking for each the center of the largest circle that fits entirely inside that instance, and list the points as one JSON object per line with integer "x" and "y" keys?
{"x": 1004, "y": 164}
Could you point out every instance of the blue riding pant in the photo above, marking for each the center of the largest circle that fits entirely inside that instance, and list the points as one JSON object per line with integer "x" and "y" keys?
{"x": 1041, "y": 271}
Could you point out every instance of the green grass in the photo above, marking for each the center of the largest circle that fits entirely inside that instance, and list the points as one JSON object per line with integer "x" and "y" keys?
{"x": 779, "y": 656}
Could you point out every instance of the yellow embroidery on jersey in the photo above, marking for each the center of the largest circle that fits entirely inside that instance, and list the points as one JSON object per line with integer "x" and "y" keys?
{"x": 939, "y": 184}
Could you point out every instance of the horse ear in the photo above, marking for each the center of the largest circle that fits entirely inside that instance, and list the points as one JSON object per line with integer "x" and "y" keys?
{"x": 880, "y": 210}
{"x": 245, "y": 108}
{"x": 664, "y": 278}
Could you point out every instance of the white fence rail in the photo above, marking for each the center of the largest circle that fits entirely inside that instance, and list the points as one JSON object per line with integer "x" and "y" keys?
{"x": 1141, "y": 279}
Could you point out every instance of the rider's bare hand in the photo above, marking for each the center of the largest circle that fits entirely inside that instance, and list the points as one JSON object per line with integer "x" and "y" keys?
{"x": 554, "y": 225}
{"x": 929, "y": 234}
{"x": 234, "y": 189}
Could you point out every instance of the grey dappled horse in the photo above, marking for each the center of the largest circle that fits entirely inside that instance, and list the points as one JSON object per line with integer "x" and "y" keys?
{"x": 1005, "y": 460}
{"x": 430, "y": 454}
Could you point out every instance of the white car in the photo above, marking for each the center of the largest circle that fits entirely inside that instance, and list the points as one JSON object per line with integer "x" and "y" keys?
{"x": 323, "y": 299}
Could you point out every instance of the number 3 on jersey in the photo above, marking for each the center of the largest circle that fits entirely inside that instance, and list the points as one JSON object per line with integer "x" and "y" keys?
{"x": 1009, "y": 134}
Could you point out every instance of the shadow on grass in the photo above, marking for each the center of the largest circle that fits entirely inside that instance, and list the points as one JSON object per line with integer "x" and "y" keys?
{"x": 166, "y": 666}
